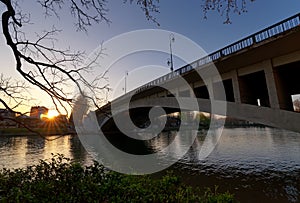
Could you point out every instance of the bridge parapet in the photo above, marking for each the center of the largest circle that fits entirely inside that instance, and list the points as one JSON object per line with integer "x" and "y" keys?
{"x": 255, "y": 39}
{"x": 259, "y": 74}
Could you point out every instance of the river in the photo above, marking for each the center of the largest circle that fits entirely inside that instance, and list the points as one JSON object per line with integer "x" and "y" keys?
{"x": 256, "y": 164}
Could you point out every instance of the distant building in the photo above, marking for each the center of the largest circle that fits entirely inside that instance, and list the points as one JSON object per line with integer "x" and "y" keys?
{"x": 37, "y": 111}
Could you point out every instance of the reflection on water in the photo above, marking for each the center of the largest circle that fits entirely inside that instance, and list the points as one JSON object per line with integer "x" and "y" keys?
{"x": 21, "y": 151}
{"x": 256, "y": 164}
{"x": 251, "y": 151}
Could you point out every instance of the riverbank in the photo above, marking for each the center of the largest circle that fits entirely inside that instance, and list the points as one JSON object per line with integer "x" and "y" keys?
{"x": 35, "y": 131}
{"x": 258, "y": 164}
{"x": 61, "y": 180}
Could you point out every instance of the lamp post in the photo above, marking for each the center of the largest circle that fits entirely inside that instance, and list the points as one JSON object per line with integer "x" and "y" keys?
{"x": 170, "y": 63}
{"x": 125, "y": 87}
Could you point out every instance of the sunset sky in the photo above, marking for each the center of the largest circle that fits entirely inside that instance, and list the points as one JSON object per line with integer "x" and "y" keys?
{"x": 177, "y": 16}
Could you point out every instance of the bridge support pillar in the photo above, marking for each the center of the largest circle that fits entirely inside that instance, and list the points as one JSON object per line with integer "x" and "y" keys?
{"x": 192, "y": 94}
{"x": 177, "y": 92}
{"x": 235, "y": 85}
{"x": 210, "y": 88}
{"x": 271, "y": 85}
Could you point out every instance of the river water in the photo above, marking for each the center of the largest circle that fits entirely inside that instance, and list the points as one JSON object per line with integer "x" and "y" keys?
{"x": 256, "y": 164}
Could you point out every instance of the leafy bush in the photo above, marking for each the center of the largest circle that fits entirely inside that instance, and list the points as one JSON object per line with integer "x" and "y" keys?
{"x": 61, "y": 180}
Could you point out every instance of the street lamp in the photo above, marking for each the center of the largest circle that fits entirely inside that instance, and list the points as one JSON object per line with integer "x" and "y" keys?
{"x": 125, "y": 87}
{"x": 170, "y": 62}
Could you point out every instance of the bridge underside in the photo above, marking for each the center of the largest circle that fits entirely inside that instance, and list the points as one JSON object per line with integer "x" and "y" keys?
{"x": 261, "y": 84}
{"x": 138, "y": 115}
{"x": 287, "y": 82}
{"x": 258, "y": 114}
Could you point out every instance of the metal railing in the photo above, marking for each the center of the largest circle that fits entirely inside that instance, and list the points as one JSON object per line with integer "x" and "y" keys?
{"x": 256, "y": 38}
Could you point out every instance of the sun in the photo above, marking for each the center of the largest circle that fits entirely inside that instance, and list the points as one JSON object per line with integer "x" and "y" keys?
{"x": 52, "y": 114}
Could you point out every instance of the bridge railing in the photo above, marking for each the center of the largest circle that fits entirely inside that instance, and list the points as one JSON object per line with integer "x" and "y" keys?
{"x": 265, "y": 34}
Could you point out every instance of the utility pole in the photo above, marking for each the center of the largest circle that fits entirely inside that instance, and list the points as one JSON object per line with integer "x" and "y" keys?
{"x": 125, "y": 87}
{"x": 170, "y": 63}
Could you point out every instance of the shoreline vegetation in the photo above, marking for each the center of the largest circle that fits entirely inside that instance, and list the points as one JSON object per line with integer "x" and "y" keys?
{"x": 65, "y": 131}
{"x": 62, "y": 126}
{"x": 62, "y": 180}
{"x": 35, "y": 131}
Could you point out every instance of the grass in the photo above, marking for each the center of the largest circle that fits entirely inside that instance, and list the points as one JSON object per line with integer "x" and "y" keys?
{"x": 61, "y": 180}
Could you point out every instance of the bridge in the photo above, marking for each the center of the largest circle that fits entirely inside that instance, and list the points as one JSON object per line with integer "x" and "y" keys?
{"x": 258, "y": 74}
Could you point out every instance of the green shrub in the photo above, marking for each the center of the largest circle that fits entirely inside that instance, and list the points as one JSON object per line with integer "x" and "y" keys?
{"x": 61, "y": 180}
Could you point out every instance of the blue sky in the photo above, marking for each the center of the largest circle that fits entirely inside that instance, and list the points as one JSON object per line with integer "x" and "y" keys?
{"x": 178, "y": 16}
{"x": 187, "y": 19}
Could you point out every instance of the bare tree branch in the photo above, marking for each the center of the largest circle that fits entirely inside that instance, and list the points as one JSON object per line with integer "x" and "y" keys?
{"x": 225, "y": 7}
{"x": 85, "y": 12}
{"x": 148, "y": 7}
{"x": 47, "y": 67}
{"x": 12, "y": 91}
{"x": 42, "y": 64}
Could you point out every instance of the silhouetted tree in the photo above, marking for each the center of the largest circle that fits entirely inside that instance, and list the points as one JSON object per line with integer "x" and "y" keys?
{"x": 225, "y": 7}
{"x": 50, "y": 68}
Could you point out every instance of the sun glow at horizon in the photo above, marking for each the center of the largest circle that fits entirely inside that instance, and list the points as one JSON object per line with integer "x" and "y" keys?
{"x": 52, "y": 114}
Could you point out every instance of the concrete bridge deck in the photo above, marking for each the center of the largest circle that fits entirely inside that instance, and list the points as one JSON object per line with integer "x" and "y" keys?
{"x": 259, "y": 75}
